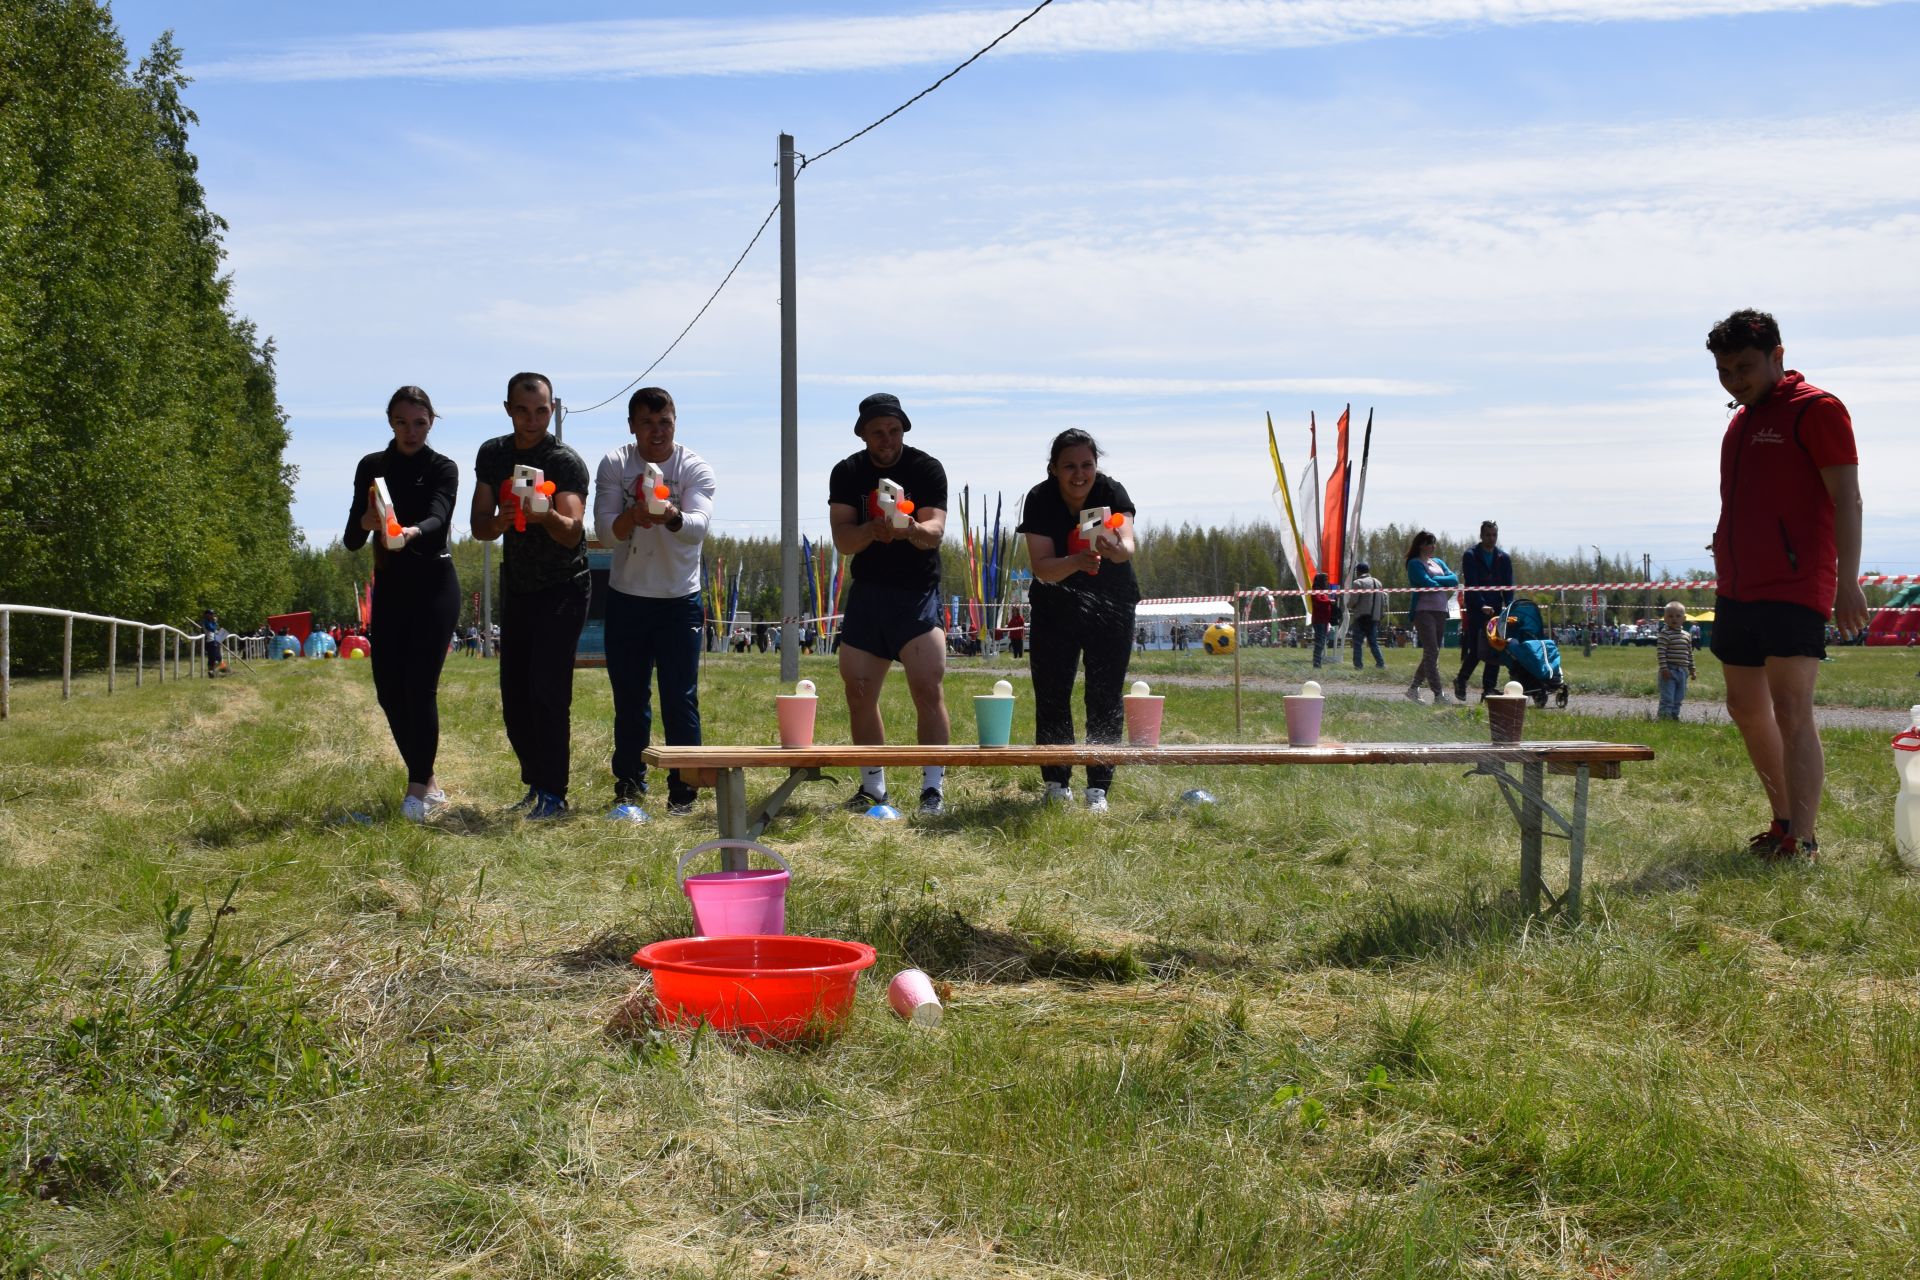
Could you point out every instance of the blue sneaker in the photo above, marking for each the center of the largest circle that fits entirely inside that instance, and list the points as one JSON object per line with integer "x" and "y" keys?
{"x": 627, "y": 811}
{"x": 547, "y": 807}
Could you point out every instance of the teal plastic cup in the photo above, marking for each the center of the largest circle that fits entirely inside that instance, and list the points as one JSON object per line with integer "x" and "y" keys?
{"x": 994, "y": 716}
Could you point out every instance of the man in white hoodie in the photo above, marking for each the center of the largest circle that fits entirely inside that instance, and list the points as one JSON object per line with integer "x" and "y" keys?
{"x": 653, "y": 614}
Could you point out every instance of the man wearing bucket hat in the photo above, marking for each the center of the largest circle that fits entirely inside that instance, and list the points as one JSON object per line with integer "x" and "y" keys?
{"x": 888, "y": 506}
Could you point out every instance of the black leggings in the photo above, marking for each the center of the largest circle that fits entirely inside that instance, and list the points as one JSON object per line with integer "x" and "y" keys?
{"x": 413, "y": 615}
{"x": 1056, "y": 644}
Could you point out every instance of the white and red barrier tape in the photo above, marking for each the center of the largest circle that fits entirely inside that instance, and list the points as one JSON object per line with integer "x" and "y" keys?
{"x": 1689, "y": 584}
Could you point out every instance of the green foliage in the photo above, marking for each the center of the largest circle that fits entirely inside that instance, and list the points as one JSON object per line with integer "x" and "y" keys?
{"x": 139, "y": 412}
{"x": 194, "y": 1046}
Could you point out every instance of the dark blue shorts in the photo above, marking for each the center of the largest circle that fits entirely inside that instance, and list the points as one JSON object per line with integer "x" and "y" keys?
{"x": 1748, "y": 632}
{"x": 884, "y": 620}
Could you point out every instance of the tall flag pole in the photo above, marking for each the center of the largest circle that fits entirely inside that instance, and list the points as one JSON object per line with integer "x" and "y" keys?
{"x": 1359, "y": 497}
{"x": 1308, "y": 503}
{"x": 1291, "y": 546}
{"x": 1334, "y": 526}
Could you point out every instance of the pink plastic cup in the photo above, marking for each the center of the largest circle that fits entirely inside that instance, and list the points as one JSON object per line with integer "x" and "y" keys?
{"x": 1145, "y": 711}
{"x": 796, "y": 718}
{"x": 1303, "y": 720}
{"x": 912, "y": 997}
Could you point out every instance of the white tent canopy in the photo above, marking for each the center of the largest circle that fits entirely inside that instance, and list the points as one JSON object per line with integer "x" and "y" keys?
{"x": 1209, "y": 609}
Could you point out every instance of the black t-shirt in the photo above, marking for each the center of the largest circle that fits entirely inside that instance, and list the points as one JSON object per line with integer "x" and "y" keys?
{"x": 423, "y": 488}
{"x": 1045, "y": 513}
{"x": 855, "y": 483}
{"x": 533, "y": 561}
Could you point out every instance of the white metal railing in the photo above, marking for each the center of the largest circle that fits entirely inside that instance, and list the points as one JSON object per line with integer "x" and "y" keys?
{"x": 196, "y": 649}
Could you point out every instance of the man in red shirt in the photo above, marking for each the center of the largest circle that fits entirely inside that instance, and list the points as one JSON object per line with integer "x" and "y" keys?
{"x": 1787, "y": 554}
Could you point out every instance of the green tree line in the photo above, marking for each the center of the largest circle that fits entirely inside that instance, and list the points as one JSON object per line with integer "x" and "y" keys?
{"x": 126, "y": 380}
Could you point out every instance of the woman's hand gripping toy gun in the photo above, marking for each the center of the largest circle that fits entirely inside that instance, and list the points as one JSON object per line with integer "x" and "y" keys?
{"x": 391, "y": 530}
{"x": 532, "y": 495}
{"x": 1093, "y": 522}
{"x": 653, "y": 490}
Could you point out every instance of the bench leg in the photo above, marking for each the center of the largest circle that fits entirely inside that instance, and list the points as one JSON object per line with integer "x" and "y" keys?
{"x": 730, "y": 804}
{"x": 1531, "y": 883}
{"x": 1576, "y": 844}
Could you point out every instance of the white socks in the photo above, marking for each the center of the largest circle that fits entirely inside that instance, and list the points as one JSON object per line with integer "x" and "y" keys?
{"x": 874, "y": 782}
{"x": 933, "y": 775}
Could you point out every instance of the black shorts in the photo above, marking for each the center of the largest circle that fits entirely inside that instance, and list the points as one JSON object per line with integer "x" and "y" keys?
{"x": 883, "y": 620}
{"x": 1748, "y": 632}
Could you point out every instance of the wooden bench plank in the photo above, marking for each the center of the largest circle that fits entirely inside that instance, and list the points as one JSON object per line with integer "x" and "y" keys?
{"x": 1556, "y": 755}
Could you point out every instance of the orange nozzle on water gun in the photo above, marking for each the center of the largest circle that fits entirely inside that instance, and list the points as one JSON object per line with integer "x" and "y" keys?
{"x": 547, "y": 488}
{"x": 393, "y": 528}
{"x": 904, "y": 506}
{"x": 661, "y": 492}
{"x": 1115, "y": 520}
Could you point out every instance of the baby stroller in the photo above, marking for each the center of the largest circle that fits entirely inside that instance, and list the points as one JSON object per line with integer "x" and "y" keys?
{"x": 1531, "y": 653}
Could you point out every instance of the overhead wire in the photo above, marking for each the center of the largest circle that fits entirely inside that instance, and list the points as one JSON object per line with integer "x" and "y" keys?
{"x": 804, "y": 162}
{"x": 1031, "y": 14}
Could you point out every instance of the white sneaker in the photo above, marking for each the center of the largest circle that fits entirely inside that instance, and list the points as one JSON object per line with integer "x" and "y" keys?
{"x": 413, "y": 809}
{"x": 1096, "y": 800}
{"x": 436, "y": 800}
{"x": 1058, "y": 794}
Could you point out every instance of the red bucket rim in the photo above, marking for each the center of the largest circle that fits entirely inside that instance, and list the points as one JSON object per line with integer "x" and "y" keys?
{"x": 863, "y": 957}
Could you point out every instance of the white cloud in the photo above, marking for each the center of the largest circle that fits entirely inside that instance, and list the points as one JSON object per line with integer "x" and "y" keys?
{"x": 1078, "y": 385}
{"x": 675, "y": 47}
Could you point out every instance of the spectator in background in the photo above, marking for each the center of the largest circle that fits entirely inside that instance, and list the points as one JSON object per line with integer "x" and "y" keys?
{"x": 1674, "y": 653}
{"x": 1428, "y": 615}
{"x": 1367, "y": 613}
{"x": 1483, "y": 565}
{"x": 1322, "y": 616}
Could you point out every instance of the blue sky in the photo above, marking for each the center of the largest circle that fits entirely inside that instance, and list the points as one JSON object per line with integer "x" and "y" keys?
{"x": 1505, "y": 225}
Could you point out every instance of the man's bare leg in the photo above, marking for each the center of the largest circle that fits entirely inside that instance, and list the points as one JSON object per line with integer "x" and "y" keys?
{"x": 1751, "y": 704}
{"x": 1790, "y": 682}
{"x": 863, "y": 674}
{"x": 925, "y": 658}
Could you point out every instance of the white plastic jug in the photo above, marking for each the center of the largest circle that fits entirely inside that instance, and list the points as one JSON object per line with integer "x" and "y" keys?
{"x": 1906, "y": 809}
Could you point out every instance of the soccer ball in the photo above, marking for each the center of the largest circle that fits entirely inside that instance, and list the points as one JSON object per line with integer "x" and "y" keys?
{"x": 1219, "y": 638}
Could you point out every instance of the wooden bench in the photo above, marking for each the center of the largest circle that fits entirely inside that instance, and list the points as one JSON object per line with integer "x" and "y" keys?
{"x": 724, "y": 769}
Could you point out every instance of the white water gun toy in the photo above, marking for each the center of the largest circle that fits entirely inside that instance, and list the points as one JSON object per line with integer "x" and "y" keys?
{"x": 894, "y": 503}
{"x": 653, "y": 488}
{"x": 390, "y": 529}
{"x": 532, "y": 495}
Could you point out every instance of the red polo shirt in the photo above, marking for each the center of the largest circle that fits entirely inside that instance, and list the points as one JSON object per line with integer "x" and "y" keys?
{"x": 1775, "y": 536}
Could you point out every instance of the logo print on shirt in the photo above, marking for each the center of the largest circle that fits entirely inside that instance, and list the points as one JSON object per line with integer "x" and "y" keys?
{"x": 1767, "y": 435}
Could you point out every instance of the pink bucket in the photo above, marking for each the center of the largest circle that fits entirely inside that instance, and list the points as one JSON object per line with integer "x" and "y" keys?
{"x": 734, "y": 903}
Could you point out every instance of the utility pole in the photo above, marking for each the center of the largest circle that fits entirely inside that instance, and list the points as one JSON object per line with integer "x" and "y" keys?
{"x": 789, "y": 429}
{"x": 1593, "y": 620}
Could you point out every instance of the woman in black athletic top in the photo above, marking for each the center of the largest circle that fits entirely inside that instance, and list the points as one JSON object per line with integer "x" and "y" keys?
{"x": 416, "y": 595}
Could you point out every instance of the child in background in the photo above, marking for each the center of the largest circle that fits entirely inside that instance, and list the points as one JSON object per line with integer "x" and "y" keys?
{"x": 1674, "y": 651}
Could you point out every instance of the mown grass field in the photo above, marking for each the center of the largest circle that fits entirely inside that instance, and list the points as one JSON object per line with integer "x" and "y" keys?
{"x": 1299, "y": 1033}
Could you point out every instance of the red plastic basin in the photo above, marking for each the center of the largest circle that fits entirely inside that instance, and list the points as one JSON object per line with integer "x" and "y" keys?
{"x": 769, "y": 987}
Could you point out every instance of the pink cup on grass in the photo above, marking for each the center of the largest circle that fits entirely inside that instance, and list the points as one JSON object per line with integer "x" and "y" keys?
{"x": 912, "y": 996}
